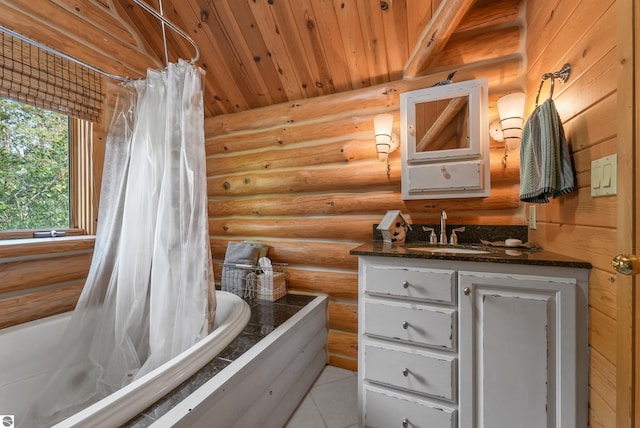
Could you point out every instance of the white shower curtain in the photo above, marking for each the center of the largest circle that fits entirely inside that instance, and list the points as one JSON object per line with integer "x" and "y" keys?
{"x": 150, "y": 293}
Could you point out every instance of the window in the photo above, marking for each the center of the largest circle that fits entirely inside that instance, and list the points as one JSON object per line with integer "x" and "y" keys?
{"x": 62, "y": 193}
{"x": 34, "y": 167}
{"x": 46, "y": 172}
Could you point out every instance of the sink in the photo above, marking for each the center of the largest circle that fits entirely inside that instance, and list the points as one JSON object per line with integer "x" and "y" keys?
{"x": 449, "y": 250}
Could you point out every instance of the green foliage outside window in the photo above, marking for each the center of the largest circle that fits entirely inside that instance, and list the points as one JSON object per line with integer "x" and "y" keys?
{"x": 34, "y": 167}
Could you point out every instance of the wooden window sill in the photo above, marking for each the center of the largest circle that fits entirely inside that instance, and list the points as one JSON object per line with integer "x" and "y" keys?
{"x": 37, "y": 246}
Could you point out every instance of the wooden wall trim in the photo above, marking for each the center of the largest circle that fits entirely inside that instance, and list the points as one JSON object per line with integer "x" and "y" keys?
{"x": 628, "y": 236}
{"x": 636, "y": 135}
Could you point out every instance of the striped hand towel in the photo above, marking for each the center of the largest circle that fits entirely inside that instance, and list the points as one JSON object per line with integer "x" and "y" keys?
{"x": 545, "y": 163}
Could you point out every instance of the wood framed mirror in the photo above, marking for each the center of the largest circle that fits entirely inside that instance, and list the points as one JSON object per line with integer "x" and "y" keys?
{"x": 445, "y": 141}
{"x": 442, "y": 122}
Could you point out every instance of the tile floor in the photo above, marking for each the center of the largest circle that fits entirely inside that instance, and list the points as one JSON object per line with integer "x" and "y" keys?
{"x": 332, "y": 402}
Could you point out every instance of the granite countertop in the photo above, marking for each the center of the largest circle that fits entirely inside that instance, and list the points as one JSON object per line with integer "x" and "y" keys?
{"x": 486, "y": 254}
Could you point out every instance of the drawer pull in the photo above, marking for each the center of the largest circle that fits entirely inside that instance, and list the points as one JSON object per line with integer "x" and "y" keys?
{"x": 405, "y": 423}
{"x": 405, "y": 324}
{"x": 405, "y": 284}
{"x": 405, "y": 372}
{"x": 466, "y": 291}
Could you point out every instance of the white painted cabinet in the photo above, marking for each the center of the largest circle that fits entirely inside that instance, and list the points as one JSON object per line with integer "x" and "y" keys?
{"x": 445, "y": 343}
{"x": 517, "y": 351}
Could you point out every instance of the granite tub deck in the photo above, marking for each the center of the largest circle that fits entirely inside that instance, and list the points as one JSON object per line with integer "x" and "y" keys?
{"x": 264, "y": 372}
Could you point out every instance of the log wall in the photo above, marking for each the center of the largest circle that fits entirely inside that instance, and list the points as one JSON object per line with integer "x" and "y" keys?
{"x": 41, "y": 277}
{"x": 581, "y": 33}
{"x": 304, "y": 178}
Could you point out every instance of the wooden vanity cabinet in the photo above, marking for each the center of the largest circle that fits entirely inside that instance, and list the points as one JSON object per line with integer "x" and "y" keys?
{"x": 445, "y": 343}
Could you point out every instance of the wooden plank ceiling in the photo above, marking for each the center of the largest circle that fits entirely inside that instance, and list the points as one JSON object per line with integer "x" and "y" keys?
{"x": 262, "y": 52}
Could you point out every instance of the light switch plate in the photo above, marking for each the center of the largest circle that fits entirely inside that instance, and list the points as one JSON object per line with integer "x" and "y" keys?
{"x": 604, "y": 176}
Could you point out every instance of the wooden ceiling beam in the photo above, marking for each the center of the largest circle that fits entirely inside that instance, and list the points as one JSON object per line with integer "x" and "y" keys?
{"x": 466, "y": 48}
{"x": 436, "y": 35}
{"x": 489, "y": 13}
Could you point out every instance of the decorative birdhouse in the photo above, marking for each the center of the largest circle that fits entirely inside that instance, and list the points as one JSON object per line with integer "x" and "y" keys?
{"x": 394, "y": 227}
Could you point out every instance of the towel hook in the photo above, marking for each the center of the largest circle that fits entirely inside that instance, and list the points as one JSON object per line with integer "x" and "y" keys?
{"x": 562, "y": 75}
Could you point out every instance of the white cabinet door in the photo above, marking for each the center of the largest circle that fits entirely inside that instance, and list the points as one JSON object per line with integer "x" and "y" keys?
{"x": 517, "y": 351}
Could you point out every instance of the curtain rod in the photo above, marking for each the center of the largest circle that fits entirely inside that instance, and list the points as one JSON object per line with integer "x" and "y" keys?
{"x": 171, "y": 25}
{"x": 140, "y": 3}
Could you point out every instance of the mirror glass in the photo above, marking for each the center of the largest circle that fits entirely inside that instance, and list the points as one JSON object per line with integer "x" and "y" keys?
{"x": 442, "y": 124}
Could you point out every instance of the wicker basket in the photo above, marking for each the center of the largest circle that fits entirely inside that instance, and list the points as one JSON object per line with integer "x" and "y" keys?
{"x": 255, "y": 282}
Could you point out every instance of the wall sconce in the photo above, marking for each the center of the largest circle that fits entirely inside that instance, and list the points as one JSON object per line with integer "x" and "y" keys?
{"x": 386, "y": 140}
{"x": 509, "y": 127}
{"x": 511, "y": 111}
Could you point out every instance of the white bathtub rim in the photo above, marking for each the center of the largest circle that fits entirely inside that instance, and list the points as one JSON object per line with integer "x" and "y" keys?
{"x": 177, "y": 412}
{"x": 126, "y": 403}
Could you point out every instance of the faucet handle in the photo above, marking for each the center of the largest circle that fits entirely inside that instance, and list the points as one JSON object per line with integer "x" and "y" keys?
{"x": 453, "y": 239}
{"x": 433, "y": 238}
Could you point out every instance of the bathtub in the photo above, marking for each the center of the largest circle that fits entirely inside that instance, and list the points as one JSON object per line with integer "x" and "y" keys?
{"x": 24, "y": 350}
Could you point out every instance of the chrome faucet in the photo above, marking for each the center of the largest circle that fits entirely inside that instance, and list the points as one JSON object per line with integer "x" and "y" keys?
{"x": 443, "y": 227}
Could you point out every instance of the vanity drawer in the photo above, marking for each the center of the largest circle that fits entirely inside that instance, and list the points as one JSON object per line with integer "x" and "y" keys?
{"x": 434, "y": 285}
{"x": 385, "y": 409}
{"x": 414, "y": 370}
{"x": 420, "y": 324}
{"x": 444, "y": 177}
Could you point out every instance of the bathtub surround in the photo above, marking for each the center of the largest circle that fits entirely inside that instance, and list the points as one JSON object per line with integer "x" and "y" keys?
{"x": 260, "y": 370}
{"x": 148, "y": 295}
